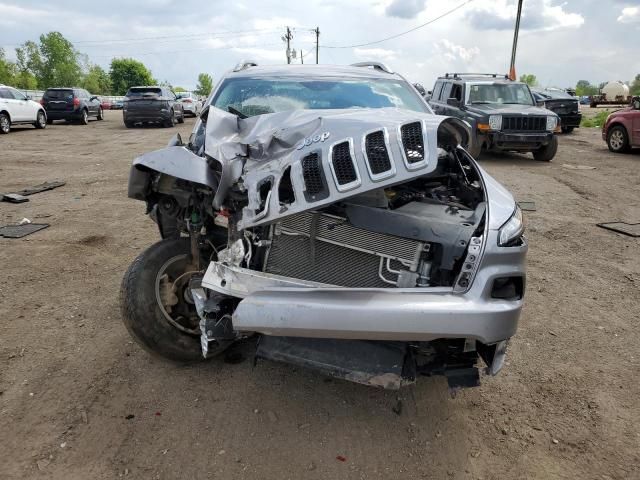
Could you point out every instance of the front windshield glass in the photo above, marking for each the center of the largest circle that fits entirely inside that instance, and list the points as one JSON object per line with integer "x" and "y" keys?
{"x": 500, "y": 93}
{"x": 258, "y": 96}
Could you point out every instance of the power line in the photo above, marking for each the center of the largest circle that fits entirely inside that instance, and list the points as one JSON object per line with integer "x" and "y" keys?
{"x": 399, "y": 34}
{"x": 133, "y": 54}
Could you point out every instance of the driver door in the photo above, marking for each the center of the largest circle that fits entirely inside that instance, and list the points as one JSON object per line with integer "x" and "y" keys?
{"x": 21, "y": 107}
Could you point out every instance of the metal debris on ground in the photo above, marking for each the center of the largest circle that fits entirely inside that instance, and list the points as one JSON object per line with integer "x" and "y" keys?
{"x": 629, "y": 229}
{"x": 43, "y": 187}
{"x": 527, "y": 206}
{"x": 577, "y": 167}
{"x": 14, "y": 198}
{"x": 19, "y": 231}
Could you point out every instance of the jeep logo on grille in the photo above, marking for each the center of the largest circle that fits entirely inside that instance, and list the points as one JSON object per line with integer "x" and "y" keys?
{"x": 315, "y": 139}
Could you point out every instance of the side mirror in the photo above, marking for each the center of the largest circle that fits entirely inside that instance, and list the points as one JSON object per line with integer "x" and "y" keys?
{"x": 454, "y": 102}
{"x": 27, "y": 97}
{"x": 636, "y": 104}
{"x": 94, "y": 98}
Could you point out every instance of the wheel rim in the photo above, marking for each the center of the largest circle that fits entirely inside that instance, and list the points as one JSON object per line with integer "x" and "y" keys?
{"x": 4, "y": 123}
{"x": 41, "y": 119}
{"x": 616, "y": 140}
{"x": 84, "y": 116}
{"x": 100, "y": 113}
{"x": 173, "y": 296}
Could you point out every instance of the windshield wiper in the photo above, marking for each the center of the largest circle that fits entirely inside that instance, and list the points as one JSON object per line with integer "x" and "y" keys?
{"x": 516, "y": 103}
{"x": 479, "y": 102}
{"x": 238, "y": 113}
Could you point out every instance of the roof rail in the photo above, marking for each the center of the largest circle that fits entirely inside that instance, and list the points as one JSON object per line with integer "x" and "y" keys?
{"x": 244, "y": 64}
{"x": 460, "y": 75}
{"x": 376, "y": 65}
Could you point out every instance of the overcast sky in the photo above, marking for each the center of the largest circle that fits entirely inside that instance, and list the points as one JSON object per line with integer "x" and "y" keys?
{"x": 560, "y": 41}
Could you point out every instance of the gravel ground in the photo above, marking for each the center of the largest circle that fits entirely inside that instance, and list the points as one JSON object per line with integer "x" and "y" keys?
{"x": 79, "y": 400}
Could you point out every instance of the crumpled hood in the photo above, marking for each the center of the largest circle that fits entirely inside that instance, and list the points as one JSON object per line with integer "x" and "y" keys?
{"x": 300, "y": 160}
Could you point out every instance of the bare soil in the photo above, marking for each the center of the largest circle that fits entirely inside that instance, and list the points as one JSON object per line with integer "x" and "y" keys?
{"x": 80, "y": 400}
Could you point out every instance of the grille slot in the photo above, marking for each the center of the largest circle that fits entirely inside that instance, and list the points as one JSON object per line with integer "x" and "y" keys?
{"x": 377, "y": 153}
{"x": 412, "y": 143}
{"x": 524, "y": 124}
{"x": 342, "y": 163}
{"x": 312, "y": 174}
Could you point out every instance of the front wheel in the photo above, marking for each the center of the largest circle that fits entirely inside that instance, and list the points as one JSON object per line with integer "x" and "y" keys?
{"x": 567, "y": 129}
{"x": 547, "y": 152}
{"x": 100, "y": 114}
{"x": 41, "y": 120}
{"x": 181, "y": 118}
{"x": 617, "y": 139}
{"x": 5, "y": 123}
{"x": 156, "y": 303}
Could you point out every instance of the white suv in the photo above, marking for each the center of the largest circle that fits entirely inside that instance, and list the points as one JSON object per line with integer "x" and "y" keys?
{"x": 17, "y": 108}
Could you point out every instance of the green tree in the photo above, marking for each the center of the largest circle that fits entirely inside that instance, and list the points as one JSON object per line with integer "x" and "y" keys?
{"x": 205, "y": 85}
{"x": 179, "y": 89}
{"x": 127, "y": 72}
{"x": 635, "y": 86}
{"x": 8, "y": 70}
{"x": 529, "y": 79}
{"x": 97, "y": 81}
{"x": 583, "y": 87}
{"x": 54, "y": 62}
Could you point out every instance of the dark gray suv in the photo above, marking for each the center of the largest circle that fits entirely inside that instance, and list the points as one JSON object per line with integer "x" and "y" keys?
{"x": 152, "y": 105}
{"x": 502, "y": 113}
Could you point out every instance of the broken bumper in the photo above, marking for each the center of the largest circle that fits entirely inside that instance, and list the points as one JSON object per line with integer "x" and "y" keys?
{"x": 280, "y": 307}
{"x": 519, "y": 141}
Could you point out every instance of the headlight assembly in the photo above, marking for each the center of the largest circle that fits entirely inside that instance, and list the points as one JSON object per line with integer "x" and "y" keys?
{"x": 495, "y": 122}
{"x": 512, "y": 229}
{"x": 552, "y": 122}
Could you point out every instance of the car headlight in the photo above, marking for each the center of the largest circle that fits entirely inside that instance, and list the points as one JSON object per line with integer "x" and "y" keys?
{"x": 495, "y": 122}
{"x": 512, "y": 229}
{"x": 552, "y": 122}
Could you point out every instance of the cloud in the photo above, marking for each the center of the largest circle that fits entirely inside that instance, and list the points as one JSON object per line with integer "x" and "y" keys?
{"x": 454, "y": 52}
{"x": 405, "y": 8}
{"x": 375, "y": 53}
{"x": 258, "y": 54}
{"x": 536, "y": 15}
{"x": 630, "y": 15}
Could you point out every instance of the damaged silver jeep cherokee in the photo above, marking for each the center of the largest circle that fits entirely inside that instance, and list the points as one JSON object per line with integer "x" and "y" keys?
{"x": 329, "y": 213}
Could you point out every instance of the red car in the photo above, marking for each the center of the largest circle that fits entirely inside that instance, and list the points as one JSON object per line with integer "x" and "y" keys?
{"x": 621, "y": 131}
{"x": 106, "y": 105}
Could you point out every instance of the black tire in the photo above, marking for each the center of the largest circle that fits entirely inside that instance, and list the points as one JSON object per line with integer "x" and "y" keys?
{"x": 49, "y": 121}
{"x": 128, "y": 124}
{"x": 84, "y": 118}
{"x": 617, "y": 139}
{"x": 547, "y": 152}
{"x": 171, "y": 121}
{"x": 567, "y": 129}
{"x": 41, "y": 120}
{"x": 181, "y": 118}
{"x": 5, "y": 123}
{"x": 100, "y": 114}
{"x": 142, "y": 312}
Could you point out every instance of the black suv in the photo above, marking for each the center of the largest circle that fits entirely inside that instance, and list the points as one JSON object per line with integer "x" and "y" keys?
{"x": 562, "y": 104}
{"x": 152, "y": 105}
{"x": 71, "y": 104}
{"x": 502, "y": 113}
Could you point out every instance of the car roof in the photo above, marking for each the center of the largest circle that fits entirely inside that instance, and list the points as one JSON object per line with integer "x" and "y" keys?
{"x": 468, "y": 78}
{"x": 319, "y": 71}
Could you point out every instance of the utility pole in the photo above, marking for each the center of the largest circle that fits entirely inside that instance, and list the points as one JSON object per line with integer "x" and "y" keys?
{"x": 512, "y": 67}
{"x": 287, "y": 38}
{"x": 317, "y": 30}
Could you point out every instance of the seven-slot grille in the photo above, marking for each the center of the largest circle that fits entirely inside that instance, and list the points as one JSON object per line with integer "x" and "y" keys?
{"x": 342, "y": 162}
{"x": 412, "y": 142}
{"x": 377, "y": 154}
{"x": 312, "y": 173}
{"x": 524, "y": 124}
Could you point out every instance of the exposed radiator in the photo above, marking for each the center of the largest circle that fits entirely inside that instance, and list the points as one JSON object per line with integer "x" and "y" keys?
{"x": 324, "y": 248}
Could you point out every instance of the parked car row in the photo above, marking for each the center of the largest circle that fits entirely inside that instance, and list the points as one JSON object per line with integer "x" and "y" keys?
{"x": 16, "y": 108}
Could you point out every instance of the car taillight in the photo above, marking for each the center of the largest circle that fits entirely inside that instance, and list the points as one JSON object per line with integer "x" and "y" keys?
{"x": 187, "y": 101}
{"x": 76, "y": 102}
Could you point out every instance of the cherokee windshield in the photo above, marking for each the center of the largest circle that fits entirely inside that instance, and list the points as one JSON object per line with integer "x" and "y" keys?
{"x": 500, "y": 93}
{"x": 258, "y": 96}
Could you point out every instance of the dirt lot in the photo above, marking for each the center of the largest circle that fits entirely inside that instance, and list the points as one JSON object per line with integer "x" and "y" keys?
{"x": 79, "y": 400}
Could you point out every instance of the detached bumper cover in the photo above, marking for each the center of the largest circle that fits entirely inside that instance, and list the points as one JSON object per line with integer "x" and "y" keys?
{"x": 570, "y": 120}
